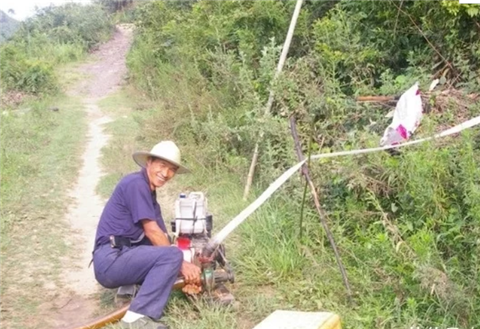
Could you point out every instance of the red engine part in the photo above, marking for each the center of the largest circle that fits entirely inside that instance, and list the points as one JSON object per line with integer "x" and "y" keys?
{"x": 183, "y": 243}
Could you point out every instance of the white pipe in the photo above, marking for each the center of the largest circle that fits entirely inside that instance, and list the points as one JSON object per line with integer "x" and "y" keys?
{"x": 232, "y": 225}
{"x": 283, "y": 55}
{"x": 281, "y": 62}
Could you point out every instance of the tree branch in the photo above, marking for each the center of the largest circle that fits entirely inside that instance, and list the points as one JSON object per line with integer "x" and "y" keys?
{"x": 321, "y": 212}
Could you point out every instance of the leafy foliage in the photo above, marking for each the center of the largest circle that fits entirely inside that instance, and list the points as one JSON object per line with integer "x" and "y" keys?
{"x": 55, "y": 35}
{"x": 407, "y": 226}
{"x": 419, "y": 34}
{"x": 30, "y": 75}
{"x": 70, "y": 23}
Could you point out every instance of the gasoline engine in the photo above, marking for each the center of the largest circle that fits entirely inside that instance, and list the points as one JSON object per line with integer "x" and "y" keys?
{"x": 192, "y": 229}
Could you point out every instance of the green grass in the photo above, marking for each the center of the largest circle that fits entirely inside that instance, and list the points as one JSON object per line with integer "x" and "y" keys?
{"x": 406, "y": 227}
{"x": 69, "y": 75}
{"x": 276, "y": 270}
{"x": 264, "y": 259}
{"x": 40, "y": 160}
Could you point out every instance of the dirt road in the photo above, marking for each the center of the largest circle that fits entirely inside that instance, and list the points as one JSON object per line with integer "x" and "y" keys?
{"x": 106, "y": 71}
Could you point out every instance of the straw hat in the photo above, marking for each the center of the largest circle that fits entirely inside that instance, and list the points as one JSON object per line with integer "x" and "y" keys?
{"x": 165, "y": 150}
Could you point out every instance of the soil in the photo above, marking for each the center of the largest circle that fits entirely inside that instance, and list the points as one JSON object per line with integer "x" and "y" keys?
{"x": 78, "y": 302}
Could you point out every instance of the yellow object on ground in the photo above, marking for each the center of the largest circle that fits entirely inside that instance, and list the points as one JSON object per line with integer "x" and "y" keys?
{"x": 300, "y": 320}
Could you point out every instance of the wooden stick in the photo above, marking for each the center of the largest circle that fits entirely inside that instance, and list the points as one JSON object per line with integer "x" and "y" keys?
{"x": 251, "y": 172}
{"x": 444, "y": 93}
{"x": 281, "y": 62}
{"x": 376, "y": 98}
{"x": 321, "y": 212}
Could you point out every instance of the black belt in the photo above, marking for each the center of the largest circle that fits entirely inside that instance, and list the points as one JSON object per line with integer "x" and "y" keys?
{"x": 121, "y": 241}
{"x": 117, "y": 241}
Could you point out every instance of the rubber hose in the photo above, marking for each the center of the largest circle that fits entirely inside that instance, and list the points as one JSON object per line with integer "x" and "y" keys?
{"x": 116, "y": 315}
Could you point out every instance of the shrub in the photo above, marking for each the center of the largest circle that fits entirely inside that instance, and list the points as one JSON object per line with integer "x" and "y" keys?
{"x": 30, "y": 75}
{"x": 71, "y": 23}
{"x": 55, "y": 35}
{"x": 407, "y": 226}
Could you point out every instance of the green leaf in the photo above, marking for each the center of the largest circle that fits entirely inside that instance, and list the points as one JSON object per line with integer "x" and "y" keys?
{"x": 473, "y": 11}
{"x": 400, "y": 79}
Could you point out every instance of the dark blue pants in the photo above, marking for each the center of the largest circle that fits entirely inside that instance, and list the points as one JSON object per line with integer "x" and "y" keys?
{"x": 155, "y": 268}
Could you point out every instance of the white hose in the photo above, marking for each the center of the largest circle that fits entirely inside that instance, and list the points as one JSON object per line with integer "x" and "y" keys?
{"x": 232, "y": 225}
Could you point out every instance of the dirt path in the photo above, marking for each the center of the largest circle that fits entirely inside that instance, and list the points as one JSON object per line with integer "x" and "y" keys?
{"x": 106, "y": 73}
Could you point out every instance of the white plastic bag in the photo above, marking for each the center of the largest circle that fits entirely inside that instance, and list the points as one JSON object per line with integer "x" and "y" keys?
{"x": 406, "y": 118}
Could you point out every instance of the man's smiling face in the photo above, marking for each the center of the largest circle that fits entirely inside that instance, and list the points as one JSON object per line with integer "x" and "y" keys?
{"x": 159, "y": 172}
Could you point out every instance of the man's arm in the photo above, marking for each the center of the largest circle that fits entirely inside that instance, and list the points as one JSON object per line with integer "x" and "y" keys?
{"x": 154, "y": 233}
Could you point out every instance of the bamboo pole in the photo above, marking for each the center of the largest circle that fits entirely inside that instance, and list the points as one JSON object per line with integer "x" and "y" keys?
{"x": 281, "y": 62}
{"x": 283, "y": 55}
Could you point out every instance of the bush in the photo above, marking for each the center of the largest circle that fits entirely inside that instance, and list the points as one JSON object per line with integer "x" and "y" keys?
{"x": 407, "y": 226}
{"x": 55, "y": 35}
{"x": 30, "y": 75}
{"x": 71, "y": 23}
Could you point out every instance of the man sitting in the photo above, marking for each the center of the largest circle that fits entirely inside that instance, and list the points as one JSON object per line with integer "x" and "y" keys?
{"x": 132, "y": 245}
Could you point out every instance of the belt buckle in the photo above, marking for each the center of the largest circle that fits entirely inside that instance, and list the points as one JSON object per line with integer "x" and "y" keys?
{"x": 112, "y": 241}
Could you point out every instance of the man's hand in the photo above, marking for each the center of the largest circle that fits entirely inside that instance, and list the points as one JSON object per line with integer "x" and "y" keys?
{"x": 191, "y": 273}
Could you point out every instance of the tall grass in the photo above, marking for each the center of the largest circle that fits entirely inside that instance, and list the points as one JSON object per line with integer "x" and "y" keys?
{"x": 406, "y": 226}
{"x": 386, "y": 213}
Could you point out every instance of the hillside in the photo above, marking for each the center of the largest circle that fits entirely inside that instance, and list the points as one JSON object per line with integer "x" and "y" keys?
{"x": 8, "y": 26}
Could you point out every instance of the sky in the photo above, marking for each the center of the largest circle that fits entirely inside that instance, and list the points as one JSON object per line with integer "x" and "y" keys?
{"x": 26, "y": 8}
